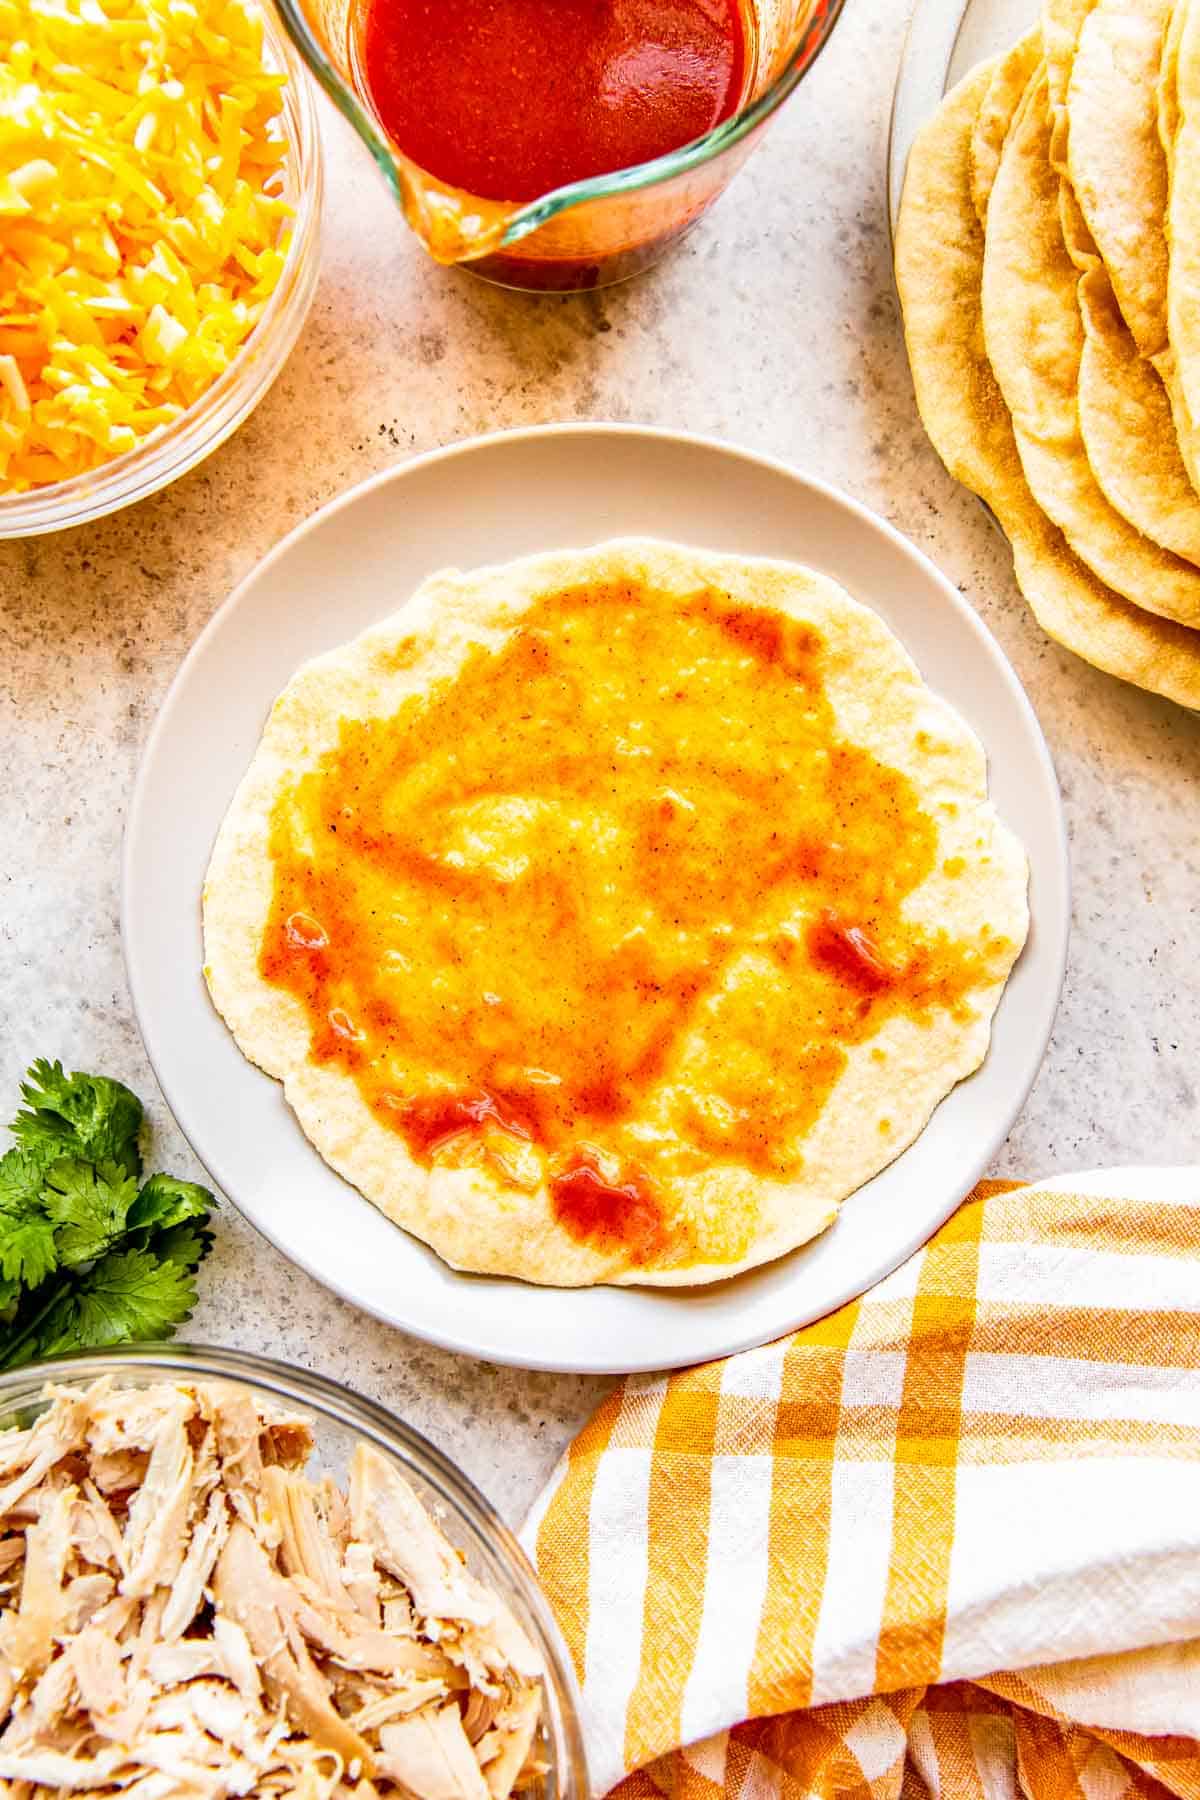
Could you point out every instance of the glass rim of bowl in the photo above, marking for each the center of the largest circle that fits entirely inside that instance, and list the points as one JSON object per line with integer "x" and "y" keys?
{"x": 304, "y": 1388}
{"x": 211, "y": 418}
{"x": 536, "y": 213}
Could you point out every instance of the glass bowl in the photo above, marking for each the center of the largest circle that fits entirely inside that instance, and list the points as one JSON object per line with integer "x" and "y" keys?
{"x": 340, "y": 1420}
{"x": 590, "y": 233}
{"x": 222, "y": 407}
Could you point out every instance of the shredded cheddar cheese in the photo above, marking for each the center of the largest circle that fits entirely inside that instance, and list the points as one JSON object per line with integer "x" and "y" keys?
{"x": 142, "y": 219}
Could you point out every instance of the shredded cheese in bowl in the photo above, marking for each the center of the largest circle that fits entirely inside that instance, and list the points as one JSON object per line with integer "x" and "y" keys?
{"x": 143, "y": 219}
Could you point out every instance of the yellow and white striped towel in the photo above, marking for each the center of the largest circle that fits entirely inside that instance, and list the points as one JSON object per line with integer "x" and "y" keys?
{"x": 944, "y": 1542}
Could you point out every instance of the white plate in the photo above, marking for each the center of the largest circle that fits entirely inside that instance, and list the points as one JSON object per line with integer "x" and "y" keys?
{"x": 945, "y": 39}
{"x": 489, "y": 501}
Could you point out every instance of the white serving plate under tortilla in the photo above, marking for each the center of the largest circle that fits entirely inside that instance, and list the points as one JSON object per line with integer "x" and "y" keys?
{"x": 354, "y": 562}
{"x": 946, "y": 38}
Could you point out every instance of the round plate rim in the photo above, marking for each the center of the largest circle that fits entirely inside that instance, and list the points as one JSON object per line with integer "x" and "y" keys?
{"x": 728, "y": 1341}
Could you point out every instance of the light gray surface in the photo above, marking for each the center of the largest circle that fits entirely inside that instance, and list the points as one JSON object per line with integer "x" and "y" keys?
{"x": 775, "y": 325}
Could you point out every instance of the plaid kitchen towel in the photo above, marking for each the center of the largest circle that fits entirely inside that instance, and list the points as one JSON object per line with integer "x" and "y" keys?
{"x": 945, "y": 1542}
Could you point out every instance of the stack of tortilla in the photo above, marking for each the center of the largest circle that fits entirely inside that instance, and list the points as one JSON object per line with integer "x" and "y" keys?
{"x": 1048, "y": 261}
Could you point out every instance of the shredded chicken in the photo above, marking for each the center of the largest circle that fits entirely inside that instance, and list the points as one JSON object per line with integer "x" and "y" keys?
{"x": 186, "y": 1615}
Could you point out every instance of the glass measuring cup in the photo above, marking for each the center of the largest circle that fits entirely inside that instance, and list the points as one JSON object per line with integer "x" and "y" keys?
{"x": 589, "y": 233}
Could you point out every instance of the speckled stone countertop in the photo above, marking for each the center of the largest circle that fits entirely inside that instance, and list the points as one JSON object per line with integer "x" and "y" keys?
{"x": 774, "y": 325}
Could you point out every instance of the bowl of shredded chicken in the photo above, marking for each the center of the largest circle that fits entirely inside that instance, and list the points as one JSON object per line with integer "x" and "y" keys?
{"x": 208, "y": 1589}
{"x": 160, "y": 185}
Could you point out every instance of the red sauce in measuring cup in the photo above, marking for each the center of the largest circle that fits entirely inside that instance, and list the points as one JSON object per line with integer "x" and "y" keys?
{"x": 509, "y": 99}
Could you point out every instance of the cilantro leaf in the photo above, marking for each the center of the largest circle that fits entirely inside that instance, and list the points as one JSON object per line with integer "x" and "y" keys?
{"x": 86, "y": 1258}
{"x": 164, "y": 1202}
{"x": 85, "y": 1115}
{"x": 87, "y": 1203}
{"x": 20, "y": 1180}
{"x": 44, "y": 1138}
{"x": 27, "y": 1251}
{"x": 186, "y": 1245}
{"x": 45, "y": 1086}
{"x": 128, "y": 1297}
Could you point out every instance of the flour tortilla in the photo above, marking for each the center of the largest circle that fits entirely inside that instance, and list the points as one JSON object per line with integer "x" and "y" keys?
{"x": 1183, "y": 269}
{"x": 1128, "y": 429}
{"x": 1168, "y": 83}
{"x": 939, "y": 271}
{"x": 1187, "y": 437}
{"x": 1123, "y": 113}
{"x": 1034, "y": 336}
{"x": 1062, "y": 28}
{"x": 472, "y": 1219}
{"x": 1115, "y": 158}
{"x": 1010, "y": 76}
{"x": 1126, "y": 419}
{"x": 1168, "y": 129}
{"x": 1113, "y": 116}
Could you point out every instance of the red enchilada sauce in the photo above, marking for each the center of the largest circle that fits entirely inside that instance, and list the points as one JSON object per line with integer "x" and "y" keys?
{"x": 509, "y": 99}
{"x": 622, "y": 869}
{"x": 612, "y": 1215}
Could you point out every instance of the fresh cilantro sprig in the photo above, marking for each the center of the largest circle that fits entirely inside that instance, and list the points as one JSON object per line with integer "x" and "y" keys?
{"x": 90, "y": 1254}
